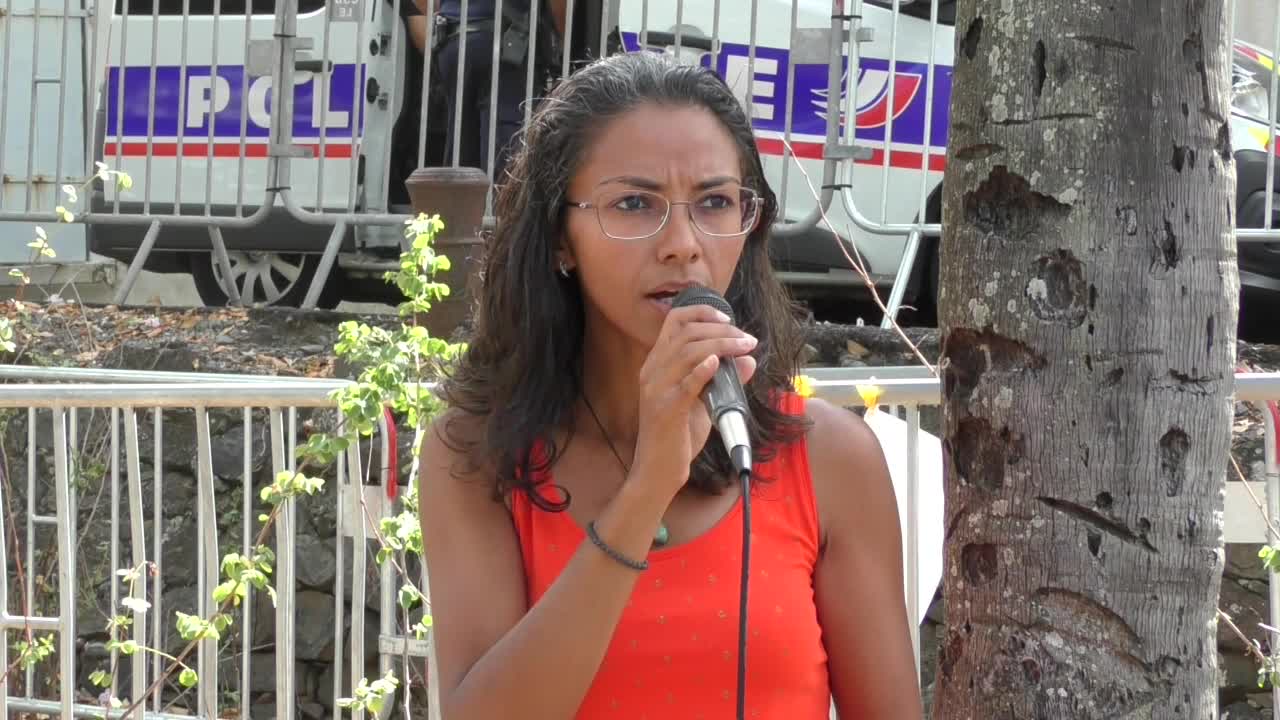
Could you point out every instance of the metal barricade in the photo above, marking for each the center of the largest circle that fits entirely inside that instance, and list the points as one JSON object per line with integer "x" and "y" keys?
{"x": 183, "y": 95}
{"x": 61, "y": 404}
{"x": 72, "y": 408}
{"x": 849, "y": 100}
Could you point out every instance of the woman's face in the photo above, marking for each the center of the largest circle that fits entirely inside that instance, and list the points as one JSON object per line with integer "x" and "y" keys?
{"x": 682, "y": 154}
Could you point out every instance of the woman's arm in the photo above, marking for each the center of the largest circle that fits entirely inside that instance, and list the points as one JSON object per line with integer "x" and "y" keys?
{"x": 558, "y": 11}
{"x": 417, "y": 26}
{"x": 859, "y": 578}
{"x": 495, "y": 659}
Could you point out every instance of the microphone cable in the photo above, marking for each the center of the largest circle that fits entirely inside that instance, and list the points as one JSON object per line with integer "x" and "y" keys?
{"x": 745, "y": 477}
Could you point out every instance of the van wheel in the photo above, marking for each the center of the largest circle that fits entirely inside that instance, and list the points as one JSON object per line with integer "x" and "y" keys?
{"x": 262, "y": 278}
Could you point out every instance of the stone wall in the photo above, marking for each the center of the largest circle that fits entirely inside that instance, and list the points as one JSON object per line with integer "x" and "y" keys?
{"x": 298, "y": 343}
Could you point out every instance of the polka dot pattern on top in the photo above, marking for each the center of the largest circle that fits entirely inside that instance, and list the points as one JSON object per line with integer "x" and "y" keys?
{"x": 674, "y": 653}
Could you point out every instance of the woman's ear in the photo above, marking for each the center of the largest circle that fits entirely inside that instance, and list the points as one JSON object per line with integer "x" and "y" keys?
{"x": 564, "y": 261}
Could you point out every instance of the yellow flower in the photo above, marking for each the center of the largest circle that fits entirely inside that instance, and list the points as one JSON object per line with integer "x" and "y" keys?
{"x": 803, "y": 385}
{"x": 870, "y": 395}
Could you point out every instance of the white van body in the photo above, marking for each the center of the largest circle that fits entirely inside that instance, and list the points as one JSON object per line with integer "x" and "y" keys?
{"x": 200, "y": 146}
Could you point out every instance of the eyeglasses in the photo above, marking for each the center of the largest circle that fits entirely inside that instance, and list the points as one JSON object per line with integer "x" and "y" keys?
{"x": 630, "y": 214}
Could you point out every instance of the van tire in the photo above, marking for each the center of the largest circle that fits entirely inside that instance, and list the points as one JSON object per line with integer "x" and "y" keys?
{"x": 207, "y": 278}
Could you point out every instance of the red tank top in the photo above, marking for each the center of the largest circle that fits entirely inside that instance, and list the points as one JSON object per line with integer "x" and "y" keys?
{"x": 673, "y": 655}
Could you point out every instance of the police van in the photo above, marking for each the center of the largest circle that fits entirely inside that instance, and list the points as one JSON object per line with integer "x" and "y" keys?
{"x": 184, "y": 109}
{"x": 850, "y": 116}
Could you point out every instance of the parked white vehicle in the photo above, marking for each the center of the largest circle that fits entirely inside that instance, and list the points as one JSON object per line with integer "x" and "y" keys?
{"x": 850, "y": 115}
{"x": 883, "y": 154}
{"x": 200, "y": 144}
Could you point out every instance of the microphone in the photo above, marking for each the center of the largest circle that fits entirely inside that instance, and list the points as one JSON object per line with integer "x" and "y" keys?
{"x": 724, "y": 397}
{"x": 727, "y": 404}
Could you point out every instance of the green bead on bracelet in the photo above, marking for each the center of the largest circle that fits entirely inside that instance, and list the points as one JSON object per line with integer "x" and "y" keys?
{"x": 661, "y": 536}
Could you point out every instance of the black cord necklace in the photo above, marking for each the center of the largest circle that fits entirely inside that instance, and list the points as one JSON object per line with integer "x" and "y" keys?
{"x": 661, "y": 536}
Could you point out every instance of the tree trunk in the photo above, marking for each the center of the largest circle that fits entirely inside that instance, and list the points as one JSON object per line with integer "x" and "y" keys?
{"x": 1088, "y": 310}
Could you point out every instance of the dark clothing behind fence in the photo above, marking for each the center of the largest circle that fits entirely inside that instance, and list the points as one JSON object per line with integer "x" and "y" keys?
{"x": 476, "y": 9}
{"x": 477, "y": 100}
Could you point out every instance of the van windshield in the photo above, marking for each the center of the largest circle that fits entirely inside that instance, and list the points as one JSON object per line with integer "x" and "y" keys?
{"x": 922, "y": 8}
{"x": 1251, "y": 85}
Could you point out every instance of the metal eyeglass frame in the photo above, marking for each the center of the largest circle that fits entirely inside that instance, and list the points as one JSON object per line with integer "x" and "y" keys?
{"x": 756, "y": 202}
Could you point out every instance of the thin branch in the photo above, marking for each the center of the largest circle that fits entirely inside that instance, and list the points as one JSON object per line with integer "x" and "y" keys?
{"x": 857, "y": 264}
{"x": 84, "y": 316}
{"x": 1271, "y": 525}
{"x": 1253, "y": 649}
{"x": 17, "y": 557}
{"x": 191, "y": 645}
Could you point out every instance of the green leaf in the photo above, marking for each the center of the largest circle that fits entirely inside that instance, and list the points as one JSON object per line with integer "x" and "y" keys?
{"x": 1270, "y": 558}
{"x": 265, "y": 557}
{"x": 187, "y": 678}
{"x": 256, "y": 579}
{"x": 231, "y": 562}
{"x": 233, "y": 589}
{"x": 191, "y": 627}
{"x": 100, "y": 678}
{"x": 409, "y": 596}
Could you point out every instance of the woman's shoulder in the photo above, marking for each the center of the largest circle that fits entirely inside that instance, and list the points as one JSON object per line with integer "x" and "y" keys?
{"x": 837, "y": 428}
{"x": 847, "y": 465}
{"x": 453, "y": 464}
{"x": 452, "y": 434}
{"x": 839, "y": 441}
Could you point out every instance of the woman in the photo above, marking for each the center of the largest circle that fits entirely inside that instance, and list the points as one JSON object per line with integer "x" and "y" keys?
{"x": 581, "y": 530}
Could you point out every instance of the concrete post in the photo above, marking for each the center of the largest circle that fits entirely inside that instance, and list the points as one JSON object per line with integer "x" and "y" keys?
{"x": 457, "y": 194}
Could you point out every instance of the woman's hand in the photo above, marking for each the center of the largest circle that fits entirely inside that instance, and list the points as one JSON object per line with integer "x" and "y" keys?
{"x": 674, "y": 423}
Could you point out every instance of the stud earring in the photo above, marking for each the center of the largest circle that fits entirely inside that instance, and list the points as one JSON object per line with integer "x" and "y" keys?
{"x": 564, "y": 269}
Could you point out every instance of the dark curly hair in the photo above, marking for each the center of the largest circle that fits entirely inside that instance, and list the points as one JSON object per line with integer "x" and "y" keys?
{"x": 521, "y": 373}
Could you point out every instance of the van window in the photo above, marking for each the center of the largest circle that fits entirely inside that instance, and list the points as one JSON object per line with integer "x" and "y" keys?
{"x": 226, "y": 9}
{"x": 921, "y": 9}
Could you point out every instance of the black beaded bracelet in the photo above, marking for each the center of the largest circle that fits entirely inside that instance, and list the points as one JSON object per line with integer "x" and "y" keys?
{"x": 595, "y": 539}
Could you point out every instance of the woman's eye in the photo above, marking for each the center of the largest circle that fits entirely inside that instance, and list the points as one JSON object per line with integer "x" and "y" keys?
{"x": 716, "y": 202}
{"x": 632, "y": 203}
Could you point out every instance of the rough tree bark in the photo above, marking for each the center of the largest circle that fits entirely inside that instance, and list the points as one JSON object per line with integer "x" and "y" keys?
{"x": 1088, "y": 311}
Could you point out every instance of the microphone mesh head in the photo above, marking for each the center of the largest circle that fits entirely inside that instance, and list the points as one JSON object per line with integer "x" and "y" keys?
{"x": 702, "y": 295}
